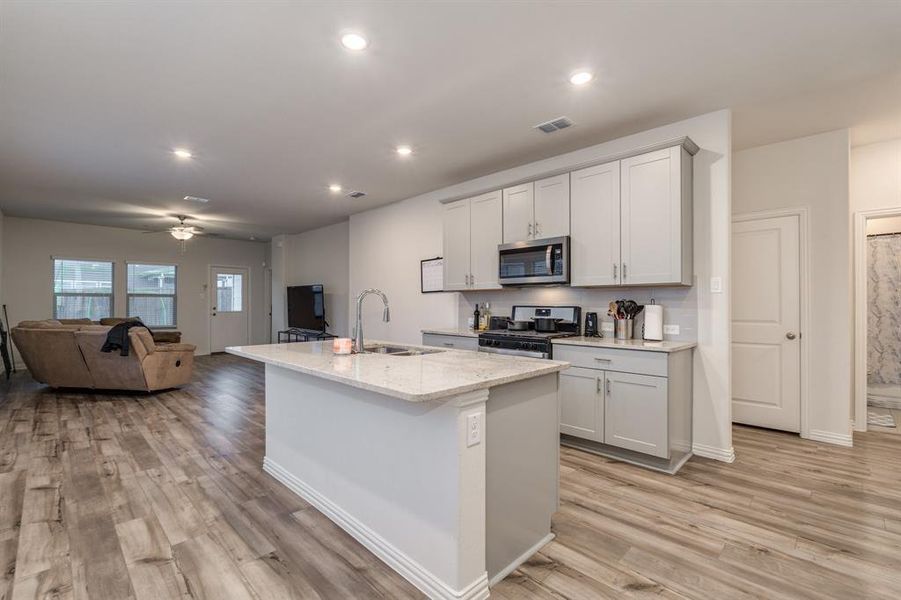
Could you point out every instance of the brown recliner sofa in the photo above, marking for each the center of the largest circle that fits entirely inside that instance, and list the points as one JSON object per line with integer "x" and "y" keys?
{"x": 68, "y": 355}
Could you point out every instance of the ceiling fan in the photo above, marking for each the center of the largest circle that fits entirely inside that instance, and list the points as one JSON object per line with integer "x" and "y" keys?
{"x": 182, "y": 232}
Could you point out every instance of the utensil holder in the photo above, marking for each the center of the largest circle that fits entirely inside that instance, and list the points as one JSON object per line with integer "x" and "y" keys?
{"x": 622, "y": 329}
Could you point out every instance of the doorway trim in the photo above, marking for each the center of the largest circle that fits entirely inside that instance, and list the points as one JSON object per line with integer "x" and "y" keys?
{"x": 209, "y": 303}
{"x": 860, "y": 313}
{"x": 803, "y": 247}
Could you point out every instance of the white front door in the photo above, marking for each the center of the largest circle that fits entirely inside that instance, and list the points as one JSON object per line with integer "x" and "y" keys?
{"x": 228, "y": 308}
{"x": 766, "y": 318}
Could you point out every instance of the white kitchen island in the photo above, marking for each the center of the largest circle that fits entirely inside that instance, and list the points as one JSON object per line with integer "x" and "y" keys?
{"x": 444, "y": 465}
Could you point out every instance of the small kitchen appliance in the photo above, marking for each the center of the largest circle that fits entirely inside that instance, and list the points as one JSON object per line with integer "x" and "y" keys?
{"x": 591, "y": 325}
{"x": 531, "y": 342}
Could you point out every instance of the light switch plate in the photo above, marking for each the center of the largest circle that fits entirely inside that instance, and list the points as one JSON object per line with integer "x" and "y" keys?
{"x": 671, "y": 330}
{"x": 716, "y": 285}
{"x": 473, "y": 429}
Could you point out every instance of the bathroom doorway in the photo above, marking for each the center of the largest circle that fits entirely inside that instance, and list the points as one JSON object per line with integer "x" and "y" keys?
{"x": 878, "y": 321}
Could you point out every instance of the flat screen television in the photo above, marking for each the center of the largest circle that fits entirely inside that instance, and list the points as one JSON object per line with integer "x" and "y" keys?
{"x": 306, "y": 307}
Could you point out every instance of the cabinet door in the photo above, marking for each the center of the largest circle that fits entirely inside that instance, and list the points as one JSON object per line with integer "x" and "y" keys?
{"x": 595, "y": 225}
{"x": 518, "y": 212}
{"x": 635, "y": 413}
{"x": 486, "y": 232}
{"x": 456, "y": 245}
{"x": 582, "y": 403}
{"x": 651, "y": 206}
{"x": 552, "y": 207}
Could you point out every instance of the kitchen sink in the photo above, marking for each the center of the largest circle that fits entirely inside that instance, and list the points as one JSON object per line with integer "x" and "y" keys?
{"x": 398, "y": 350}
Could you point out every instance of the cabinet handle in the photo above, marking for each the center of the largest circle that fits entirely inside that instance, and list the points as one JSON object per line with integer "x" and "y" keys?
{"x": 614, "y": 271}
{"x": 472, "y": 279}
{"x": 608, "y": 387}
{"x": 605, "y": 360}
{"x": 598, "y": 379}
{"x": 451, "y": 344}
{"x": 624, "y": 270}
{"x": 530, "y": 230}
{"x": 537, "y": 229}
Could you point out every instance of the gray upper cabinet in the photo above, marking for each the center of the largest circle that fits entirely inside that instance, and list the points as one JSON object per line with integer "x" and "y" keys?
{"x": 519, "y": 212}
{"x": 551, "y": 207}
{"x": 632, "y": 221}
{"x": 595, "y": 243}
{"x": 655, "y": 224}
{"x": 472, "y": 232}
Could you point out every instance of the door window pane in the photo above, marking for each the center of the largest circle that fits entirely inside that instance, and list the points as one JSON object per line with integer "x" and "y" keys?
{"x": 229, "y": 292}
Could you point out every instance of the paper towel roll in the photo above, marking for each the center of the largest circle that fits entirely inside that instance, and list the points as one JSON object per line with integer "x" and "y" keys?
{"x": 653, "y": 322}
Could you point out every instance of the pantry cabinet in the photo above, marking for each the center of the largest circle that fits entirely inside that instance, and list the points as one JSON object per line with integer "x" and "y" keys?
{"x": 472, "y": 232}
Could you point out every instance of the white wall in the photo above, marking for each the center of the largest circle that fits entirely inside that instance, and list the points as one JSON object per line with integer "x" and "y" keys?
{"x": 2, "y": 300}
{"x": 876, "y": 176}
{"x": 883, "y": 225}
{"x": 318, "y": 256}
{"x": 812, "y": 172}
{"x": 29, "y": 245}
{"x": 386, "y": 245}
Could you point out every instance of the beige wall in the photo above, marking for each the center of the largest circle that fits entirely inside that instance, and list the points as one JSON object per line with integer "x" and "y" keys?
{"x": 386, "y": 245}
{"x": 318, "y": 256}
{"x": 29, "y": 245}
{"x": 813, "y": 172}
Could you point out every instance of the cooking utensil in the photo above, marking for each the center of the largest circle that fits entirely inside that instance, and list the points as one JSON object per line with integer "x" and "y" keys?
{"x": 546, "y": 324}
{"x": 518, "y": 325}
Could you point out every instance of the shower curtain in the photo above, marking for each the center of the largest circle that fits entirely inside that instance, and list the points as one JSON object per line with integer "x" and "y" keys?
{"x": 884, "y": 309}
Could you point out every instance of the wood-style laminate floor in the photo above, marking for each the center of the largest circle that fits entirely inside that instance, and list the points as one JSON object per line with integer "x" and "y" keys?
{"x": 112, "y": 497}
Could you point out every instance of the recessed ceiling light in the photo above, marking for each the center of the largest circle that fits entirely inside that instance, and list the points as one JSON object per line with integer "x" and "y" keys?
{"x": 182, "y": 153}
{"x": 404, "y": 150}
{"x": 354, "y": 41}
{"x": 334, "y": 188}
{"x": 581, "y": 78}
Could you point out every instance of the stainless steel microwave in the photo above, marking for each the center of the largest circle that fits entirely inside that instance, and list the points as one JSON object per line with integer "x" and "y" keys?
{"x": 535, "y": 262}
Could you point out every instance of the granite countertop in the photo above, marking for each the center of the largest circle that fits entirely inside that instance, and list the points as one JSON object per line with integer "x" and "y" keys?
{"x": 457, "y": 332}
{"x": 419, "y": 378}
{"x": 609, "y": 342}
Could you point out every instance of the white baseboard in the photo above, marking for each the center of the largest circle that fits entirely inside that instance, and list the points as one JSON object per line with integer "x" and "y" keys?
{"x": 521, "y": 559}
{"x": 722, "y": 454}
{"x": 409, "y": 569}
{"x": 829, "y": 437}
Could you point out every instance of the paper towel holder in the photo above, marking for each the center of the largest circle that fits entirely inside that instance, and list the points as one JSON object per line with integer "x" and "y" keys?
{"x": 652, "y": 327}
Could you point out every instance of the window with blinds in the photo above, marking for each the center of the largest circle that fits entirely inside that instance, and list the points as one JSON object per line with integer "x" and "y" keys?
{"x": 82, "y": 289}
{"x": 151, "y": 293}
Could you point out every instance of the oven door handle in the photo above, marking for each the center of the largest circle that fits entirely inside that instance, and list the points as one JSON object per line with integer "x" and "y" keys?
{"x": 547, "y": 260}
{"x": 509, "y": 352}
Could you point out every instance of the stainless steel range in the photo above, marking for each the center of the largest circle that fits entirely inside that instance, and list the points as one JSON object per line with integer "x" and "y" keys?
{"x": 533, "y": 343}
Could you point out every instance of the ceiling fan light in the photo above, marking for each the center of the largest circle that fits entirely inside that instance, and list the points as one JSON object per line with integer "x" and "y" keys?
{"x": 182, "y": 233}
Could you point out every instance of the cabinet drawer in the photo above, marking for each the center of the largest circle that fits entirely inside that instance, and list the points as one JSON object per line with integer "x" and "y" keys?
{"x": 609, "y": 359}
{"x": 457, "y": 342}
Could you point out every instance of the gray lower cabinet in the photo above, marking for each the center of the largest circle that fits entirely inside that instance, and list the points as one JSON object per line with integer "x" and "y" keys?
{"x": 628, "y": 404}
{"x": 635, "y": 413}
{"x": 582, "y": 403}
{"x": 457, "y": 342}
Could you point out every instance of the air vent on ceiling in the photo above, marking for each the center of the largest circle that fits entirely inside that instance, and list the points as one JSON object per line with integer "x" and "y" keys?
{"x": 356, "y": 194}
{"x": 555, "y": 124}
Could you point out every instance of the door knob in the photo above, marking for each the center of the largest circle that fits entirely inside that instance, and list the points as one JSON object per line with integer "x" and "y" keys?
{"x": 790, "y": 335}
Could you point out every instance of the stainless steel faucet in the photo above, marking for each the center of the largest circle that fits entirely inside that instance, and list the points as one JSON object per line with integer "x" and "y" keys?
{"x": 358, "y": 327}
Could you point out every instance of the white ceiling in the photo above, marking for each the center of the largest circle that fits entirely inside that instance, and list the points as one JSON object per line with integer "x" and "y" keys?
{"x": 93, "y": 96}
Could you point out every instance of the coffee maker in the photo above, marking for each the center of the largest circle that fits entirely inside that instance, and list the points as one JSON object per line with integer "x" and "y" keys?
{"x": 591, "y": 325}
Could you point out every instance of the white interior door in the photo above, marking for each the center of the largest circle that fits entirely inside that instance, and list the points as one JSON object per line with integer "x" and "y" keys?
{"x": 229, "y": 309}
{"x": 766, "y": 318}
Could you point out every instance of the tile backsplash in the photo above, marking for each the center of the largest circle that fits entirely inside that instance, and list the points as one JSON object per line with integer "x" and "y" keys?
{"x": 680, "y": 304}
